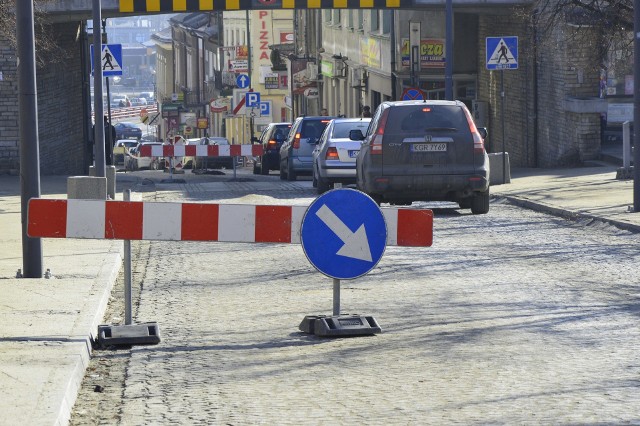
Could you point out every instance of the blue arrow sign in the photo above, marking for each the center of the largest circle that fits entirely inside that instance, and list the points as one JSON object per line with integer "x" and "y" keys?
{"x": 252, "y": 100}
{"x": 111, "y": 59}
{"x": 343, "y": 234}
{"x": 242, "y": 81}
{"x": 502, "y": 53}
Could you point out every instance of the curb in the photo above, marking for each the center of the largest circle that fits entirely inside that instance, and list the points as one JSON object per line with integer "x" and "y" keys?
{"x": 564, "y": 213}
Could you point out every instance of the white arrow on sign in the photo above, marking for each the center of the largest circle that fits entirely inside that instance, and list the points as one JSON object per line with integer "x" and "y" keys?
{"x": 356, "y": 244}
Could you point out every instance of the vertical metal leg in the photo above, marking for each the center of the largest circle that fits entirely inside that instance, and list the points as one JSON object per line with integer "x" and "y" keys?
{"x": 336, "y": 296}
{"x": 128, "y": 317}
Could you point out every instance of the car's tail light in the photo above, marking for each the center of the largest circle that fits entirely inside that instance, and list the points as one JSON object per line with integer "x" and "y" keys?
{"x": 478, "y": 143}
{"x": 332, "y": 153}
{"x": 376, "y": 139}
{"x": 272, "y": 144}
{"x": 296, "y": 141}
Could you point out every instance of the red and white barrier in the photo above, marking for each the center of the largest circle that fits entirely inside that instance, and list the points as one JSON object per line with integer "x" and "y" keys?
{"x": 200, "y": 150}
{"x": 134, "y": 220}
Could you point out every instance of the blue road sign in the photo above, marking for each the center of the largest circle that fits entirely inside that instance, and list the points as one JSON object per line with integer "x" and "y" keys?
{"x": 252, "y": 100}
{"x": 343, "y": 234}
{"x": 111, "y": 59}
{"x": 242, "y": 81}
{"x": 502, "y": 53}
{"x": 412, "y": 94}
{"x": 265, "y": 108}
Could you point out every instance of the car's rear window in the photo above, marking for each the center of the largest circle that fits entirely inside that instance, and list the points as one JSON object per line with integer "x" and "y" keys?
{"x": 313, "y": 128}
{"x": 420, "y": 118}
{"x": 341, "y": 130}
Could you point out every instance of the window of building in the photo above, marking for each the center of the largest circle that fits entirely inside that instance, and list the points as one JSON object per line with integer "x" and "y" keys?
{"x": 360, "y": 19}
{"x": 386, "y": 21}
{"x": 327, "y": 16}
{"x": 337, "y": 17}
{"x": 375, "y": 21}
{"x": 350, "y": 19}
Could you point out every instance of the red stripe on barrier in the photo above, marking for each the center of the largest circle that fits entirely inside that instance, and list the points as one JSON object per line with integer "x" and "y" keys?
{"x": 190, "y": 151}
{"x": 123, "y": 220}
{"x": 415, "y": 228}
{"x": 200, "y": 222}
{"x": 145, "y": 151}
{"x": 256, "y": 150}
{"x": 273, "y": 224}
{"x": 47, "y": 218}
{"x": 236, "y": 150}
{"x": 167, "y": 150}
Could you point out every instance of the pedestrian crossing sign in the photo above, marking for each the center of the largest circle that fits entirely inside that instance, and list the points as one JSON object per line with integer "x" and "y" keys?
{"x": 110, "y": 59}
{"x": 502, "y": 53}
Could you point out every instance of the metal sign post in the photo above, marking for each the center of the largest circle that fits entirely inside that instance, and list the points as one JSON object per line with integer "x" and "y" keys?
{"x": 502, "y": 53}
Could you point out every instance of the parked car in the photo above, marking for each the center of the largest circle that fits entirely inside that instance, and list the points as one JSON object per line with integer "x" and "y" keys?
{"x": 119, "y": 154}
{"x": 138, "y": 102}
{"x": 214, "y": 162}
{"x": 118, "y": 101}
{"x": 334, "y": 158}
{"x": 296, "y": 151}
{"x": 424, "y": 151}
{"x": 148, "y": 96}
{"x": 136, "y": 162}
{"x": 271, "y": 140}
{"x": 126, "y": 130}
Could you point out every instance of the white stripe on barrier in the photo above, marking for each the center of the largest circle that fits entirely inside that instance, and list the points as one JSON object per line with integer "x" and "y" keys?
{"x": 297, "y": 214}
{"x": 236, "y": 222}
{"x": 162, "y": 221}
{"x": 391, "y": 218}
{"x": 224, "y": 150}
{"x": 179, "y": 150}
{"x": 201, "y": 150}
{"x": 85, "y": 218}
{"x": 156, "y": 151}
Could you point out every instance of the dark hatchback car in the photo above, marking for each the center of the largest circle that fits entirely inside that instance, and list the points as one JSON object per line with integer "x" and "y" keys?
{"x": 271, "y": 140}
{"x": 424, "y": 151}
{"x": 126, "y": 130}
{"x": 296, "y": 152}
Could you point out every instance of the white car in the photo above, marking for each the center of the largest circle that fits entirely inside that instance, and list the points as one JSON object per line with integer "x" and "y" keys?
{"x": 214, "y": 162}
{"x": 136, "y": 162}
{"x": 120, "y": 150}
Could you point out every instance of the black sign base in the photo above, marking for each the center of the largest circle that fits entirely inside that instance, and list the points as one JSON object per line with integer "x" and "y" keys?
{"x": 134, "y": 334}
{"x": 344, "y": 325}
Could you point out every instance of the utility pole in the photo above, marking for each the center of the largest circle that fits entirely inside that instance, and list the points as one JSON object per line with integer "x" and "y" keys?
{"x": 29, "y": 143}
{"x": 636, "y": 106}
{"x": 98, "y": 109}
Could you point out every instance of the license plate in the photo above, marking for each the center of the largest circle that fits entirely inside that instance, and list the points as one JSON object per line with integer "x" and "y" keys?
{"x": 353, "y": 153}
{"x": 428, "y": 147}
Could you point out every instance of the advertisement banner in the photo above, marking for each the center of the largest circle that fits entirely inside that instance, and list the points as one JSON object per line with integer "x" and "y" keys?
{"x": 432, "y": 54}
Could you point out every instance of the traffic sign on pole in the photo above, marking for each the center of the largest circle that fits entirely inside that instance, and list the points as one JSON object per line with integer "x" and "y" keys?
{"x": 502, "y": 53}
{"x": 111, "y": 59}
{"x": 243, "y": 81}
{"x": 344, "y": 234}
{"x": 252, "y": 100}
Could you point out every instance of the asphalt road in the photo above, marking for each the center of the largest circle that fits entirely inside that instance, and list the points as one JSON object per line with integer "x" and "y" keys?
{"x": 514, "y": 317}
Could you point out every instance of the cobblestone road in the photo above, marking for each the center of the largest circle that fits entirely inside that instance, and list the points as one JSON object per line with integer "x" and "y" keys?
{"x": 510, "y": 318}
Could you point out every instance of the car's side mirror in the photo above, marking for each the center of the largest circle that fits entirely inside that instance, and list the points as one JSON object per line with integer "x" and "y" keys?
{"x": 483, "y": 132}
{"x": 356, "y": 135}
{"x": 254, "y": 139}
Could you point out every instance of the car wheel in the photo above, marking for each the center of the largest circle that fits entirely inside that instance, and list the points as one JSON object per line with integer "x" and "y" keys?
{"x": 255, "y": 169}
{"x": 154, "y": 165}
{"x": 480, "y": 203}
{"x": 465, "y": 203}
{"x": 283, "y": 175}
{"x": 264, "y": 168}
{"x": 323, "y": 185}
{"x": 291, "y": 175}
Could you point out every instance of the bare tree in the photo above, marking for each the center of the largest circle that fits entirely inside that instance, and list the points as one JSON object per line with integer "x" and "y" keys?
{"x": 47, "y": 47}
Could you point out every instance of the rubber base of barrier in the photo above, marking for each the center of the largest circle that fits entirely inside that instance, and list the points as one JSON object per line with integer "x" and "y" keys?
{"x": 134, "y": 334}
{"x": 344, "y": 325}
{"x": 173, "y": 181}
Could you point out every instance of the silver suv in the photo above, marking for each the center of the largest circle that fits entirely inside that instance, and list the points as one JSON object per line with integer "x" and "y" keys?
{"x": 424, "y": 151}
{"x": 296, "y": 152}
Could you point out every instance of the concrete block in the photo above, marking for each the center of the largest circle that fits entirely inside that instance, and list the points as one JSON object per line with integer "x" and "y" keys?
{"x": 86, "y": 188}
{"x": 496, "y": 165}
{"x": 110, "y": 172}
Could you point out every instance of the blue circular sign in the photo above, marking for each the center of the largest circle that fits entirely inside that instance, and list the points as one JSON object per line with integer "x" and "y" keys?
{"x": 242, "y": 81}
{"x": 344, "y": 234}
